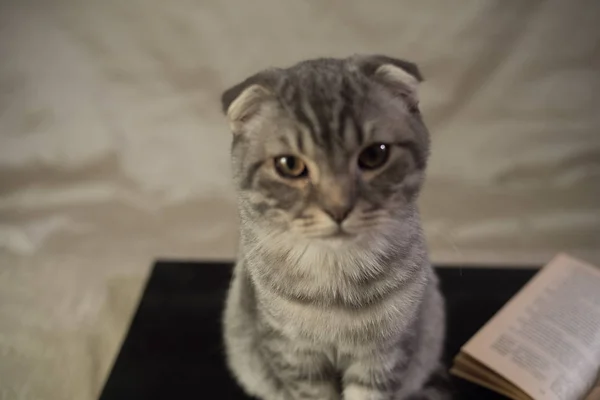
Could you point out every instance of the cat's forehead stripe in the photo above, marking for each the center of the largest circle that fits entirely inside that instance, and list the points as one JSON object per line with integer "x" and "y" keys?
{"x": 357, "y": 129}
{"x": 304, "y": 115}
{"x": 299, "y": 136}
{"x": 330, "y": 123}
{"x": 324, "y": 118}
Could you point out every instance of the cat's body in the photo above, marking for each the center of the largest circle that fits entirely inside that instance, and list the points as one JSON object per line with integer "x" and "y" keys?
{"x": 333, "y": 296}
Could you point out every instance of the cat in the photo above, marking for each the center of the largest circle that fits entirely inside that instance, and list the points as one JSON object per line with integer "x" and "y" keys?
{"x": 333, "y": 296}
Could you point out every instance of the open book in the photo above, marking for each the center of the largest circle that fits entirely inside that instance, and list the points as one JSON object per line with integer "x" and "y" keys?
{"x": 544, "y": 344}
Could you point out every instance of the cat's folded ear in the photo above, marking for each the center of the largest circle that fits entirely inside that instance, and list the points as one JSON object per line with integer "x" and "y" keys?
{"x": 243, "y": 101}
{"x": 400, "y": 76}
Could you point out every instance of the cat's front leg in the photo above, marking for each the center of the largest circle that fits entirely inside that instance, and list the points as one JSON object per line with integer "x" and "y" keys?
{"x": 370, "y": 388}
{"x": 436, "y": 387}
{"x": 305, "y": 389}
{"x": 377, "y": 376}
{"x": 381, "y": 378}
{"x": 304, "y": 374}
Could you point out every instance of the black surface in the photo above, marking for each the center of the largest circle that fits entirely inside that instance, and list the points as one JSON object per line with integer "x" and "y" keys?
{"x": 173, "y": 348}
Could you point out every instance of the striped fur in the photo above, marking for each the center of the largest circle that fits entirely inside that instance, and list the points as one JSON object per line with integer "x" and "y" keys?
{"x": 311, "y": 313}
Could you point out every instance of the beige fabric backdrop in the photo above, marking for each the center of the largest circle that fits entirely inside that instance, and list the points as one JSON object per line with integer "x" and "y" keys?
{"x": 113, "y": 150}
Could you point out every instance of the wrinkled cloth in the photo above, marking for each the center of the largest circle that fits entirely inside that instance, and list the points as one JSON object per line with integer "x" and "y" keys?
{"x": 114, "y": 152}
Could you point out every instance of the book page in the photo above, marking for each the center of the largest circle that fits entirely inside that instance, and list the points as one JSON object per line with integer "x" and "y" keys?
{"x": 546, "y": 340}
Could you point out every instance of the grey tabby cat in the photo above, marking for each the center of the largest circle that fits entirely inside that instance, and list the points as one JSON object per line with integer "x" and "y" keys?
{"x": 333, "y": 296}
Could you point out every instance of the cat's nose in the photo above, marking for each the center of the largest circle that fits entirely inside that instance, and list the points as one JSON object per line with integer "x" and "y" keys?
{"x": 339, "y": 212}
{"x": 337, "y": 198}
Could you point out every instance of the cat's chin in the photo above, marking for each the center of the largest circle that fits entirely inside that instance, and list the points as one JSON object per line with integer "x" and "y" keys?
{"x": 337, "y": 239}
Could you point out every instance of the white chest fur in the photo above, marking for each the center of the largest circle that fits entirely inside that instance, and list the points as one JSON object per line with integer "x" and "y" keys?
{"x": 286, "y": 274}
{"x": 336, "y": 324}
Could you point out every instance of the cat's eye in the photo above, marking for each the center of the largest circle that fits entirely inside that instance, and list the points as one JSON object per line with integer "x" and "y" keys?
{"x": 290, "y": 167}
{"x": 374, "y": 156}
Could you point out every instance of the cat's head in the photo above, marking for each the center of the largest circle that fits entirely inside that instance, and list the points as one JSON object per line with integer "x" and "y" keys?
{"x": 329, "y": 150}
